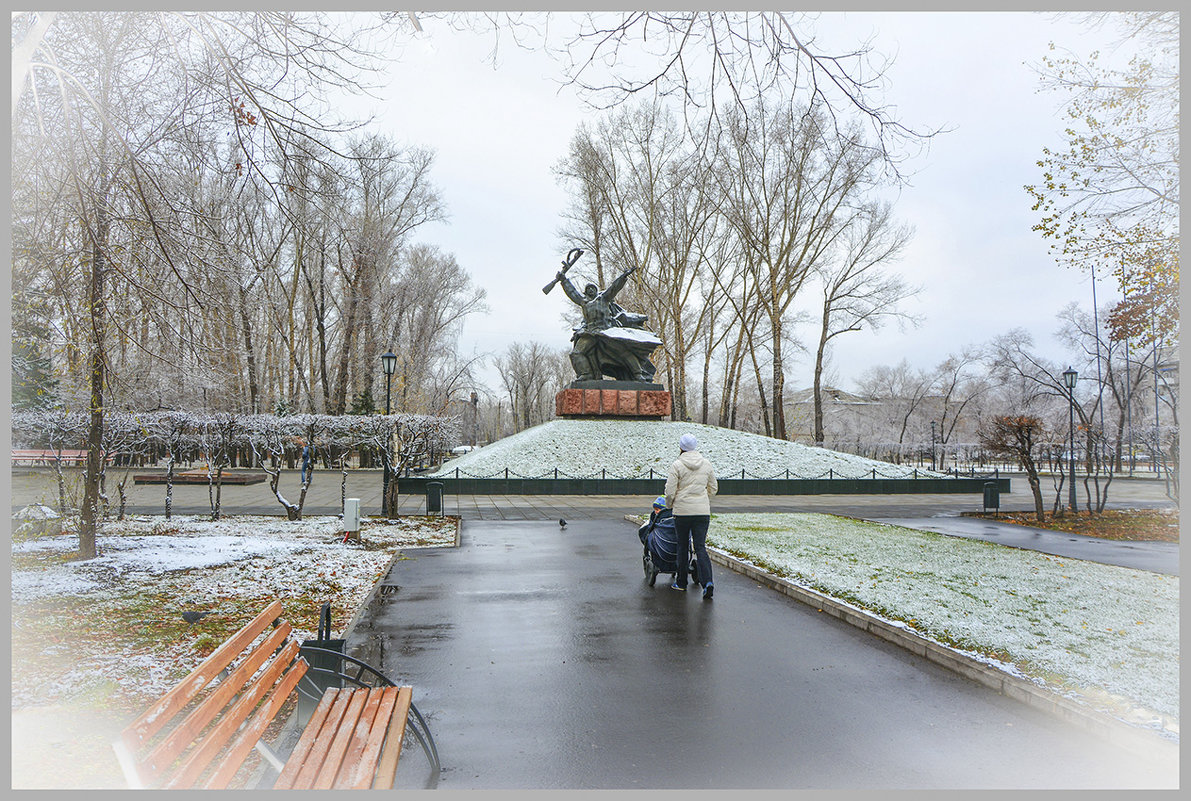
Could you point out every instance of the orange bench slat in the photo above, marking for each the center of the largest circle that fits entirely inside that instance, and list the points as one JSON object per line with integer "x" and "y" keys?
{"x": 386, "y": 770}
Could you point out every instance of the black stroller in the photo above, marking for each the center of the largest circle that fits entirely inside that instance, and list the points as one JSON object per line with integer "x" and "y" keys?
{"x": 660, "y": 549}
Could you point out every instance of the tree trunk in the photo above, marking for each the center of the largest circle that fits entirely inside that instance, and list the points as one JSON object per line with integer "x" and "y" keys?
{"x": 818, "y": 380}
{"x": 321, "y": 329}
{"x": 123, "y": 496}
{"x": 1035, "y": 488}
{"x": 61, "y": 484}
{"x": 339, "y": 399}
{"x": 760, "y": 389}
{"x": 254, "y": 391}
{"x": 89, "y": 514}
{"x": 731, "y": 377}
{"x": 705, "y": 392}
{"x": 292, "y": 511}
{"x": 678, "y": 383}
{"x": 169, "y": 485}
{"x": 779, "y": 383}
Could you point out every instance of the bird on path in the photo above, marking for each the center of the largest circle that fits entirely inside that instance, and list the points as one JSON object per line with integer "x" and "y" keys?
{"x": 562, "y": 523}
{"x": 194, "y": 617}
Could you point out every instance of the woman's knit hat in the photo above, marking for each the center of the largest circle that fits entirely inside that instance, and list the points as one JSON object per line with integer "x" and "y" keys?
{"x": 687, "y": 442}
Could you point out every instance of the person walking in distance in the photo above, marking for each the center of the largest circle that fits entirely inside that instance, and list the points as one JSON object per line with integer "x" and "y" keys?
{"x": 307, "y": 460}
{"x": 689, "y": 487}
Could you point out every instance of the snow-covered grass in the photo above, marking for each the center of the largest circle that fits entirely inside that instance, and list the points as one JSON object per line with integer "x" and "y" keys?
{"x": 112, "y": 627}
{"x": 1101, "y": 632}
{"x": 631, "y": 448}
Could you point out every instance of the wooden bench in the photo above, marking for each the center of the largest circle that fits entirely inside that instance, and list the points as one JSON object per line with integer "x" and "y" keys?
{"x": 188, "y": 739}
{"x": 35, "y": 456}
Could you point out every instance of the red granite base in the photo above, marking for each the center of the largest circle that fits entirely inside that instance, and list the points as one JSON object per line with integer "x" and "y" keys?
{"x": 612, "y": 403}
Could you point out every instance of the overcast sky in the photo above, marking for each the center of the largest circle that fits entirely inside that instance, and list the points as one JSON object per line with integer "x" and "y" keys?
{"x": 498, "y": 133}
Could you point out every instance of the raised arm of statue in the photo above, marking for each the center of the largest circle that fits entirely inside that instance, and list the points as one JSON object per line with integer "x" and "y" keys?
{"x": 618, "y": 284}
{"x": 567, "y": 287}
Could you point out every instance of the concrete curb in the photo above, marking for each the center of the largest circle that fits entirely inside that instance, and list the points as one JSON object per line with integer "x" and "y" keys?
{"x": 1139, "y": 741}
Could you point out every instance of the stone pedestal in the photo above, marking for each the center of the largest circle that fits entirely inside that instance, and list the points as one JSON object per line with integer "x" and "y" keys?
{"x": 612, "y": 402}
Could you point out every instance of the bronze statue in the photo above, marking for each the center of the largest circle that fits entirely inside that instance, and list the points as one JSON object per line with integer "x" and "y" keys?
{"x": 611, "y": 341}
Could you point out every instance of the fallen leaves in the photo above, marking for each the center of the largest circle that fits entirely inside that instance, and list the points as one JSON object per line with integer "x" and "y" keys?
{"x": 1127, "y": 525}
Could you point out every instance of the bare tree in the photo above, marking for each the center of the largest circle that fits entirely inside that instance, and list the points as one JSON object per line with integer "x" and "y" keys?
{"x": 1111, "y": 196}
{"x": 901, "y": 391}
{"x": 56, "y": 429}
{"x": 424, "y": 305}
{"x": 955, "y": 387}
{"x": 1017, "y": 436}
{"x": 111, "y": 95}
{"x": 787, "y": 185}
{"x": 531, "y": 375}
{"x": 391, "y": 197}
{"x": 706, "y": 58}
{"x": 856, "y": 292}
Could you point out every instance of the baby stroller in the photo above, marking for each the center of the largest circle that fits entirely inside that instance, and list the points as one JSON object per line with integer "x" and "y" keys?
{"x": 660, "y": 548}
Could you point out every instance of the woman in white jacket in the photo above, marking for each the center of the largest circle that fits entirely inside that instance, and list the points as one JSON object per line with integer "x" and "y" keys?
{"x": 689, "y": 488}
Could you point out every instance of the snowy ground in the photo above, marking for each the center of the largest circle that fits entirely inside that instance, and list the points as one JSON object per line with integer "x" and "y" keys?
{"x": 631, "y": 448}
{"x": 115, "y": 620}
{"x": 110, "y": 629}
{"x": 1102, "y": 632}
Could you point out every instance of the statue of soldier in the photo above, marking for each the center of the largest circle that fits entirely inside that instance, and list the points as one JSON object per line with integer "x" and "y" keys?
{"x": 611, "y": 341}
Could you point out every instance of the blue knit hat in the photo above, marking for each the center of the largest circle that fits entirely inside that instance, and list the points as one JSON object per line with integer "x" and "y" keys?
{"x": 660, "y": 502}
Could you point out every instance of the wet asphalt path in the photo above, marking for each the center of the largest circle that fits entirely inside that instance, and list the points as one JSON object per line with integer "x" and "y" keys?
{"x": 543, "y": 660}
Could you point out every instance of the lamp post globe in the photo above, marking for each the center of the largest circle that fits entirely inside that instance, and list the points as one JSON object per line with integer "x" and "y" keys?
{"x": 1070, "y": 376}
{"x": 388, "y": 363}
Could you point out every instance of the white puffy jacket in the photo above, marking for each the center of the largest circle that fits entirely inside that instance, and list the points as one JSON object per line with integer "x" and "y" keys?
{"x": 690, "y": 484}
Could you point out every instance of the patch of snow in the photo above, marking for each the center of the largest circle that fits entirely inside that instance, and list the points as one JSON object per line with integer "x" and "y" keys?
{"x": 632, "y": 448}
{"x": 60, "y": 544}
{"x": 29, "y": 585}
{"x": 163, "y": 554}
{"x": 36, "y": 511}
{"x": 242, "y": 555}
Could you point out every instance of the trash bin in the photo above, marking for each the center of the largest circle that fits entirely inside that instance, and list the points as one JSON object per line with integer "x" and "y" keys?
{"x": 317, "y": 681}
{"x": 434, "y": 497}
{"x": 992, "y": 496}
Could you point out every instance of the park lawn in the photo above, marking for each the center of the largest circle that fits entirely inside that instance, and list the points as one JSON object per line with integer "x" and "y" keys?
{"x": 1101, "y": 633}
{"x": 109, "y": 632}
{"x": 94, "y": 642}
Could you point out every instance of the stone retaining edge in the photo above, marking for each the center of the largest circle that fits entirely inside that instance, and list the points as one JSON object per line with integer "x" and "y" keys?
{"x": 1137, "y": 740}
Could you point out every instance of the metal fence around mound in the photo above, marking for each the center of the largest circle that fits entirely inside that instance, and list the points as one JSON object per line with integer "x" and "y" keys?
{"x": 652, "y": 482}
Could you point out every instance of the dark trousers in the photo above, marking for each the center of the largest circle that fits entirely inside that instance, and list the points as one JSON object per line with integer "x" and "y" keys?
{"x": 694, "y": 529}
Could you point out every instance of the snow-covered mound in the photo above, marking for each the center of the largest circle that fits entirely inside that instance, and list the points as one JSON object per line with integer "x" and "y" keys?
{"x": 631, "y": 448}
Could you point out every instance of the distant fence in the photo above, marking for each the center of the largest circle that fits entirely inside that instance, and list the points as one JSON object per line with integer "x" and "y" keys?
{"x": 597, "y": 485}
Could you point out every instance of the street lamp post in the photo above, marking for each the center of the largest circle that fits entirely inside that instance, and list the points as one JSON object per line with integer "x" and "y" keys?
{"x": 475, "y": 417}
{"x": 1069, "y": 379}
{"x": 388, "y": 363}
{"x": 932, "y": 444}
